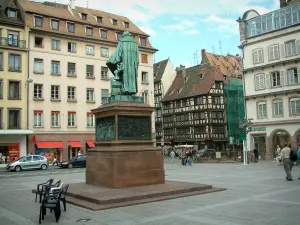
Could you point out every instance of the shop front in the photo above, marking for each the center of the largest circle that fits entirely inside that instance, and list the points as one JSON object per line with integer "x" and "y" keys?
{"x": 89, "y": 145}
{"x": 49, "y": 149}
{"x": 74, "y": 148}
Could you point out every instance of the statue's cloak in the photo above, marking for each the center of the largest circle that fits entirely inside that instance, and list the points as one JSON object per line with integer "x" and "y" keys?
{"x": 126, "y": 60}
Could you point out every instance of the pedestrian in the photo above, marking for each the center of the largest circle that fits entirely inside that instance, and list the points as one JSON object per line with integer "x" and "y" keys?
{"x": 172, "y": 154}
{"x": 3, "y": 159}
{"x": 298, "y": 155}
{"x": 55, "y": 161}
{"x": 189, "y": 158}
{"x": 288, "y": 164}
{"x": 255, "y": 151}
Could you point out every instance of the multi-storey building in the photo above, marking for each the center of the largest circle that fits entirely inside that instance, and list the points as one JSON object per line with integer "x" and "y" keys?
{"x": 271, "y": 60}
{"x": 68, "y": 50}
{"x": 13, "y": 80}
{"x": 164, "y": 74}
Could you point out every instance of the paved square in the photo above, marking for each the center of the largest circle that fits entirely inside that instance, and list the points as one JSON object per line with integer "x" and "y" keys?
{"x": 257, "y": 194}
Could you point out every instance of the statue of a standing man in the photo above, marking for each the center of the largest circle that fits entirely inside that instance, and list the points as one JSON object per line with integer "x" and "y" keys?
{"x": 124, "y": 64}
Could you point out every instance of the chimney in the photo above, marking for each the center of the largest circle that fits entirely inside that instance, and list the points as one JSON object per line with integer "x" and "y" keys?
{"x": 72, "y": 4}
{"x": 283, "y": 3}
{"x": 203, "y": 52}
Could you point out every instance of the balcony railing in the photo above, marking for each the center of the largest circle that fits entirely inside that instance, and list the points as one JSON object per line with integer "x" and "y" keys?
{"x": 10, "y": 42}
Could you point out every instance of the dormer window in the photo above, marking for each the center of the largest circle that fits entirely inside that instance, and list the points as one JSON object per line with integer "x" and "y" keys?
{"x": 83, "y": 16}
{"x": 38, "y": 21}
{"x": 12, "y": 13}
{"x": 126, "y": 24}
{"x": 143, "y": 41}
{"x": 89, "y": 31}
{"x": 54, "y": 24}
{"x": 118, "y": 36}
{"x": 99, "y": 19}
{"x": 114, "y": 22}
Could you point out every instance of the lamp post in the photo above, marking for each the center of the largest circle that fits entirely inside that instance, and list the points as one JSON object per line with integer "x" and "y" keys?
{"x": 247, "y": 124}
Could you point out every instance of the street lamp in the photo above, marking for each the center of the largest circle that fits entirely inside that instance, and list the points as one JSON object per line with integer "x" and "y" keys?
{"x": 247, "y": 124}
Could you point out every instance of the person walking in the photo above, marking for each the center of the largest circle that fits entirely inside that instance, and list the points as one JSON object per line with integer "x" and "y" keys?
{"x": 255, "y": 151}
{"x": 298, "y": 155}
{"x": 172, "y": 154}
{"x": 189, "y": 157}
{"x": 287, "y": 163}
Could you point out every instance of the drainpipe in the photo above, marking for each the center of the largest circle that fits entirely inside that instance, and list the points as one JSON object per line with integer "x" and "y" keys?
{"x": 162, "y": 118}
{"x": 27, "y": 93}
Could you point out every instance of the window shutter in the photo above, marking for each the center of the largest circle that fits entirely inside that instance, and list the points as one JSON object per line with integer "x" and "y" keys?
{"x": 298, "y": 47}
{"x": 256, "y": 82}
{"x": 290, "y": 75}
{"x": 260, "y": 55}
{"x": 282, "y": 78}
{"x": 283, "y": 50}
{"x": 271, "y": 53}
{"x": 298, "y": 73}
{"x": 268, "y": 81}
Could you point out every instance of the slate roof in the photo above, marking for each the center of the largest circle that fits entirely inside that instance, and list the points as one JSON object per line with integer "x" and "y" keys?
{"x": 198, "y": 80}
{"x": 4, "y": 5}
{"x": 159, "y": 69}
{"x": 64, "y": 13}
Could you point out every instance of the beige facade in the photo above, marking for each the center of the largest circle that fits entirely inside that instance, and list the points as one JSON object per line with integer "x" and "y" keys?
{"x": 272, "y": 78}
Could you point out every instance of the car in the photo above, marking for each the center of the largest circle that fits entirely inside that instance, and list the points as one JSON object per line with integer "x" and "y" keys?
{"x": 28, "y": 163}
{"x": 77, "y": 161}
{"x": 207, "y": 153}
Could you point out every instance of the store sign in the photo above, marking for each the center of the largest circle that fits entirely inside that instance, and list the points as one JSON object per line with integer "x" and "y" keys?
{"x": 13, "y": 152}
{"x": 259, "y": 129}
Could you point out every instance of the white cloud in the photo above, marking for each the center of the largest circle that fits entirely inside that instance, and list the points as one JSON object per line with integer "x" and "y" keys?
{"x": 222, "y": 24}
{"x": 186, "y": 24}
{"x": 148, "y": 30}
{"x": 192, "y": 32}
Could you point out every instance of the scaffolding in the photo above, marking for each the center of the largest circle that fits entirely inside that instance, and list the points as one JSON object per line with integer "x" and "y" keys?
{"x": 235, "y": 110}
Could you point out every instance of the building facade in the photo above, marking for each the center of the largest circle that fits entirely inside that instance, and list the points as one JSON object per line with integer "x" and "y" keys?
{"x": 164, "y": 74}
{"x": 271, "y": 61}
{"x": 13, "y": 81}
{"x": 68, "y": 50}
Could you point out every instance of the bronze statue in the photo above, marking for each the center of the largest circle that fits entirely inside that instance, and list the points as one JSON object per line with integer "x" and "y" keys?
{"x": 124, "y": 65}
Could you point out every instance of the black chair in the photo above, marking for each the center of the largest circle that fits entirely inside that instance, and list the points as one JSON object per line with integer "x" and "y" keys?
{"x": 63, "y": 196}
{"x": 42, "y": 188}
{"x": 48, "y": 188}
{"x": 51, "y": 201}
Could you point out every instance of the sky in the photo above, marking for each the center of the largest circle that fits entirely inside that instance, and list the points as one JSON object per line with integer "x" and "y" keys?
{"x": 179, "y": 29}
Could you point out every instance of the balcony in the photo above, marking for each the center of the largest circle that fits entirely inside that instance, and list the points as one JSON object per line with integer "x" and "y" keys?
{"x": 14, "y": 43}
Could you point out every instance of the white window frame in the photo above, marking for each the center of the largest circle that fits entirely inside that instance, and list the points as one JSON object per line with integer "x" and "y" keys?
{"x": 86, "y": 30}
{"x": 55, "y": 44}
{"x": 290, "y": 48}
{"x": 291, "y": 76}
{"x": 262, "y": 112}
{"x": 73, "y": 47}
{"x": 71, "y": 119}
{"x": 274, "y": 52}
{"x": 56, "y": 20}
{"x": 116, "y": 34}
{"x": 38, "y": 65}
{"x": 68, "y": 29}
{"x": 90, "y": 95}
{"x": 38, "y": 119}
{"x": 71, "y": 93}
{"x": 55, "y": 92}
{"x": 104, "y": 73}
{"x": 90, "y": 120}
{"x": 90, "y": 50}
{"x": 147, "y": 77}
{"x": 55, "y": 67}
{"x": 278, "y": 108}
{"x": 259, "y": 82}
{"x": 294, "y": 107}
{"x": 145, "y": 95}
{"x": 104, "y": 37}
{"x": 55, "y": 119}
{"x": 38, "y": 91}
{"x": 276, "y": 75}
{"x": 258, "y": 56}
{"x": 141, "y": 41}
{"x": 71, "y": 72}
{"x": 34, "y": 16}
{"x": 104, "y": 52}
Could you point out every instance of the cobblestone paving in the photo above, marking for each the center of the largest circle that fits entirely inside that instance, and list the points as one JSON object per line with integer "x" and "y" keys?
{"x": 257, "y": 194}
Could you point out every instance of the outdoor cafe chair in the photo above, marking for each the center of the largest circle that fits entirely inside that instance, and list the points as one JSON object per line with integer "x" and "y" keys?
{"x": 42, "y": 189}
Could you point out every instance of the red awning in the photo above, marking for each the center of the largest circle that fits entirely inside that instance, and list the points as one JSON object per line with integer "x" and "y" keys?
{"x": 49, "y": 144}
{"x": 90, "y": 144}
{"x": 75, "y": 144}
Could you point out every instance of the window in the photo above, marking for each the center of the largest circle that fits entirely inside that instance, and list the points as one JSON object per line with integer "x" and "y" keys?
{"x": 104, "y": 52}
{"x": 295, "y": 106}
{"x": 90, "y": 121}
{"x": 38, "y": 21}
{"x": 12, "y": 13}
{"x": 258, "y": 56}
{"x": 143, "y": 41}
{"x": 90, "y": 95}
{"x": 71, "y": 93}
{"x": 71, "y": 47}
{"x": 55, "y": 24}
{"x": 38, "y": 119}
{"x": 1, "y": 61}
{"x": 90, "y": 71}
{"x": 83, "y": 16}
{"x": 13, "y": 38}
{"x": 145, "y": 77}
{"x": 290, "y": 48}
{"x": 277, "y": 108}
{"x": 104, "y": 72}
{"x": 55, "y": 67}
{"x": 118, "y": 36}
{"x": 104, "y": 94}
{"x": 275, "y": 79}
{"x": 103, "y": 34}
{"x": 38, "y": 66}
{"x": 262, "y": 110}
{"x": 89, "y": 50}
{"x": 55, "y": 44}
{"x": 55, "y": 119}
{"x": 14, "y": 118}
{"x": 14, "y": 91}
{"x": 114, "y": 22}
{"x": 294, "y": 76}
{"x": 71, "y": 119}
{"x": 259, "y": 80}
{"x": 89, "y": 31}
{"x": 144, "y": 58}
{"x": 38, "y": 91}
{"x": 1, "y": 89}
{"x": 217, "y": 100}
{"x": 55, "y": 92}
{"x": 70, "y": 27}
{"x": 126, "y": 24}
{"x": 99, "y": 19}
{"x": 38, "y": 42}
{"x": 14, "y": 63}
{"x": 274, "y": 52}
{"x": 71, "y": 69}
{"x": 145, "y": 97}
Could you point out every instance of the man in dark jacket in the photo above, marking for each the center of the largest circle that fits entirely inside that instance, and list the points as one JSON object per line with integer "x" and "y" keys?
{"x": 255, "y": 151}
